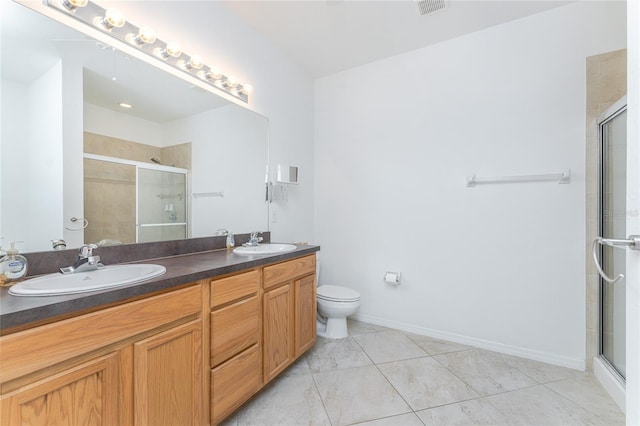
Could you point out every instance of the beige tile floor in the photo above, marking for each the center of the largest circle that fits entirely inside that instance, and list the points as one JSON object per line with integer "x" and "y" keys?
{"x": 378, "y": 376}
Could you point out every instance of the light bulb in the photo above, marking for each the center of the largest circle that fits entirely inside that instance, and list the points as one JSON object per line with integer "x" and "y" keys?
{"x": 216, "y": 73}
{"x": 73, "y": 4}
{"x": 232, "y": 81}
{"x": 170, "y": 50}
{"x": 212, "y": 74}
{"x": 145, "y": 35}
{"x": 246, "y": 89}
{"x": 113, "y": 18}
{"x": 173, "y": 49}
{"x": 195, "y": 62}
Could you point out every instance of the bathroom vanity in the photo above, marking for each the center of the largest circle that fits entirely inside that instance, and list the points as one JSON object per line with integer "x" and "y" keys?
{"x": 188, "y": 347}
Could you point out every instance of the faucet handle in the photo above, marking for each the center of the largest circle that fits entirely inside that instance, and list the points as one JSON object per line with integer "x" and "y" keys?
{"x": 87, "y": 250}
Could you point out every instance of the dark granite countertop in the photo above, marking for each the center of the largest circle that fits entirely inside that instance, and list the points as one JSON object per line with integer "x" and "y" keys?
{"x": 18, "y": 312}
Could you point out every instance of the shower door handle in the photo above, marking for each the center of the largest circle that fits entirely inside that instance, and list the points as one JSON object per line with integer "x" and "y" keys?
{"x": 632, "y": 242}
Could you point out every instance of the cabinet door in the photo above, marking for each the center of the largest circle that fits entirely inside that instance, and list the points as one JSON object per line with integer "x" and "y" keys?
{"x": 168, "y": 377}
{"x": 86, "y": 394}
{"x": 278, "y": 330}
{"x": 305, "y": 314}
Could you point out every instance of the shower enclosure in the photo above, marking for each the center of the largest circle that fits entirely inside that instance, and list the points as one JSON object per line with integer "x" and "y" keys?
{"x": 612, "y": 225}
{"x": 129, "y": 201}
{"x": 162, "y": 208}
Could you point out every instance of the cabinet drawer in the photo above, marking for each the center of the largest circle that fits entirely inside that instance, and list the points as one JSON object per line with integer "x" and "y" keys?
{"x": 228, "y": 289}
{"x": 235, "y": 328}
{"x": 234, "y": 382}
{"x": 287, "y": 271}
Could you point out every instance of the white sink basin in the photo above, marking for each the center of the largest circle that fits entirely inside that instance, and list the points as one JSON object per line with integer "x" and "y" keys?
{"x": 264, "y": 249}
{"x": 104, "y": 278}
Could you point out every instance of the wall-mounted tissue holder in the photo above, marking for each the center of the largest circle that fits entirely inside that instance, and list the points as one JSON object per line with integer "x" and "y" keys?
{"x": 287, "y": 174}
{"x": 392, "y": 278}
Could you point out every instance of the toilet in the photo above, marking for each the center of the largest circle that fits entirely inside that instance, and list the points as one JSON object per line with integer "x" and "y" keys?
{"x": 335, "y": 304}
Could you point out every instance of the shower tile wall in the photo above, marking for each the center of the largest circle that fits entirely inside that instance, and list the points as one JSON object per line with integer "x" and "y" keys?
{"x": 110, "y": 188}
{"x": 606, "y": 83}
{"x": 119, "y": 148}
{"x": 109, "y": 201}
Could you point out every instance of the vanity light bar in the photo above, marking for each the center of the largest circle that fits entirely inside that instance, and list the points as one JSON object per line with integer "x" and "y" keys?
{"x": 112, "y": 22}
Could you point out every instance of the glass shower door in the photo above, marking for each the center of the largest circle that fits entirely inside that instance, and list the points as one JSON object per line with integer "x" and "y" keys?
{"x": 613, "y": 182}
{"x": 162, "y": 205}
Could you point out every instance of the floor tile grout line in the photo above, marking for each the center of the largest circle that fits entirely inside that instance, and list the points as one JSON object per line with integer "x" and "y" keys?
{"x": 386, "y": 378}
{"x": 577, "y": 404}
{"x": 480, "y": 395}
{"x": 426, "y": 356}
{"x": 324, "y": 406}
{"x": 346, "y": 368}
{"x": 485, "y": 399}
{"x": 457, "y": 376}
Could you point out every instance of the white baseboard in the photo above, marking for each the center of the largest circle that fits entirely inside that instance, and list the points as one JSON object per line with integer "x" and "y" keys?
{"x": 610, "y": 382}
{"x": 549, "y": 358}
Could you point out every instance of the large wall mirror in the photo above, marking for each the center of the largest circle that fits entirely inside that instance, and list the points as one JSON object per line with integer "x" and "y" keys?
{"x": 77, "y": 165}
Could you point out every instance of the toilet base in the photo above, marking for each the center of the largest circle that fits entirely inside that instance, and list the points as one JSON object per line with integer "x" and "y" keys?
{"x": 335, "y": 328}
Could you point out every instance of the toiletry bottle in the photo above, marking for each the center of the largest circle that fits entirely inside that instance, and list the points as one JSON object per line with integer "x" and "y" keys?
{"x": 231, "y": 241}
{"x": 13, "y": 266}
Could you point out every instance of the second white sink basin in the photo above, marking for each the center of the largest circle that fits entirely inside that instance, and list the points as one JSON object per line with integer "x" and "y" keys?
{"x": 264, "y": 249}
{"x": 104, "y": 278}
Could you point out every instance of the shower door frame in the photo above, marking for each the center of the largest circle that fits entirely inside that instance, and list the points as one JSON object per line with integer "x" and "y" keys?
{"x": 167, "y": 169}
{"x": 610, "y": 114}
{"x": 159, "y": 167}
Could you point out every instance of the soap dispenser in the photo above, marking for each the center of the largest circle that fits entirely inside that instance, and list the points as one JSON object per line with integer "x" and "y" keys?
{"x": 231, "y": 241}
{"x": 13, "y": 266}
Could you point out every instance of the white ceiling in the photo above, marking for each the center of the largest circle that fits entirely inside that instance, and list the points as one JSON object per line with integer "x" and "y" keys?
{"x": 328, "y": 36}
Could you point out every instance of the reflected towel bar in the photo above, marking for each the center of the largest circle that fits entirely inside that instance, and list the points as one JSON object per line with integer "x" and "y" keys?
{"x": 208, "y": 194}
{"x": 564, "y": 177}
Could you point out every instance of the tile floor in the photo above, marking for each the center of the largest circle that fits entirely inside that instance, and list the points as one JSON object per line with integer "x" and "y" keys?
{"x": 379, "y": 376}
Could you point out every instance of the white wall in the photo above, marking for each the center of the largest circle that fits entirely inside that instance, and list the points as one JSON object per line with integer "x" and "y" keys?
{"x": 498, "y": 266}
{"x": 228, "y": 155}
{"x": 44, "y": 174}
{"x": 14, "y": 161}
{"x": 119, "y": 125}
{"x": 72, "y": 143}
{"x": 282, "y": 90}
{"x": 32, "y": 172}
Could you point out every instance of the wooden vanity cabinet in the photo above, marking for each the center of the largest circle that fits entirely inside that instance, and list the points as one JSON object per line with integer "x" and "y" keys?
{"x": 289, "y": 319}
{"x": 189, "y": 356}
{"x": 135, "y": 363}
{"x": 236, "y": 341}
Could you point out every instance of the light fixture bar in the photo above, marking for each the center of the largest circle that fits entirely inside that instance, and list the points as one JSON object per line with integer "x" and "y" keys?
{"x": 145, "y": 40}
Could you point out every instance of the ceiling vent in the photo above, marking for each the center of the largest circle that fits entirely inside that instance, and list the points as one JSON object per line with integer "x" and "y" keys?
{"x": 426, "y": 7}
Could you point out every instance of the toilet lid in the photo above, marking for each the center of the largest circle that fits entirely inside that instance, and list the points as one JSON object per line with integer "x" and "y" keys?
{"x": 337, "y": 293}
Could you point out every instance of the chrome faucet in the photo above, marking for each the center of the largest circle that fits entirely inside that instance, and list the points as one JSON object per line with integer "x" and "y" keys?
{"x": 86, "y": 261}
{"x": 254, "y": 240}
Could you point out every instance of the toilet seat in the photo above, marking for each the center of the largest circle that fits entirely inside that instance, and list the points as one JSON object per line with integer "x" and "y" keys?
{"x": 336, "y": 293}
